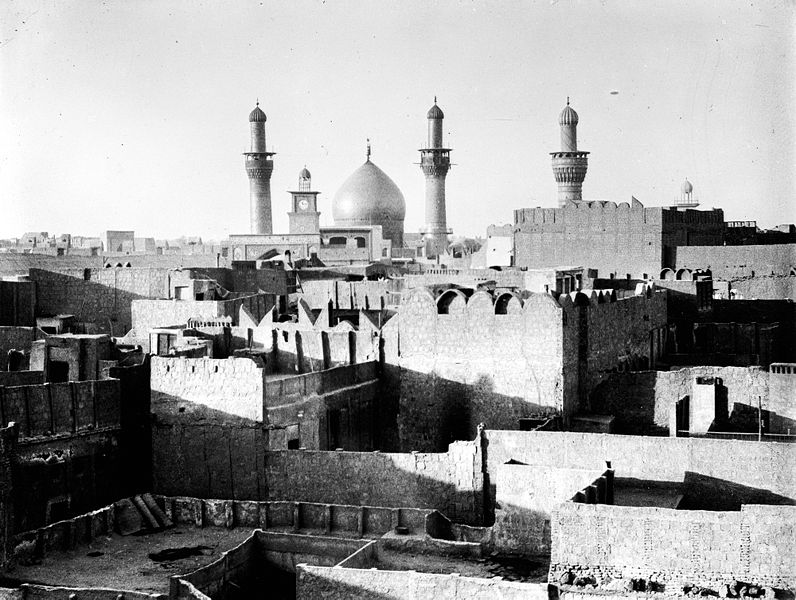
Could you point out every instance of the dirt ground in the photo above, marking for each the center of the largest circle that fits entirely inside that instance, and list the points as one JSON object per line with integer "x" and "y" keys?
{"x": 122, "y": 562}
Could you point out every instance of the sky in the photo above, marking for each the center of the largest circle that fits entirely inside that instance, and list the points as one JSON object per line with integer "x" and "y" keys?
{"x": 133, "y": 114}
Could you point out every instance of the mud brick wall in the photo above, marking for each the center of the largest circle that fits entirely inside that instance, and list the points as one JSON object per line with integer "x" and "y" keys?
{"x": 450, "y": 482}
{"x": 324, "y": 583}
{"x": 61, "y": 408}
{"x": 526, "y": 497}
{"x": 598, "y": 235}
{"x": 729, "y": 263}
{"x": 207, "y": 418}
{"x": 8, "y": 442}
{"x": 731, "y": 472}
{"x": 101, "y": 297}
{"x": 471, "y": 365}
{"x": 17, "y": 303}
{"x": 782, "y": 397}
{"x": 620, "y": 331}
{"x": 9, "y": 378}
{"x": 218, "y": 390}
{"x": 642, "y": 401}
{"x": 676, "y": 547}
{"x": 17, "y": 338}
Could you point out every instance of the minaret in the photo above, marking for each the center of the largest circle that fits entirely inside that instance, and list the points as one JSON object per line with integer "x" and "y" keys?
{"x": 570, "y": 164}
{"x": 259, "y": 167}
{"x": 435, "y": 162}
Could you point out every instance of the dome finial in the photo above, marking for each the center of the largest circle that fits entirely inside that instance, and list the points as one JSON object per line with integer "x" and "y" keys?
{"x": 367, "y": 155}
{"x": 435, "y": 99}
{"x": 567, "y": 100}
{"x": 258, "y": 102}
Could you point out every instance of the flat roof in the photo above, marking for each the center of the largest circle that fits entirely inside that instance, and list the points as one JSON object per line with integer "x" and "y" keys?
{"x": 123, "y": 563}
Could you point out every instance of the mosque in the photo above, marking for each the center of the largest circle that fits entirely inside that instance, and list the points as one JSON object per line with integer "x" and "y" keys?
{"x": 368, "y": 209}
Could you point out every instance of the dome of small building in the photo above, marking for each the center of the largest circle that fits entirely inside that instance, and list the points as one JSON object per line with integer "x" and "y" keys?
{"x": 435, "y": 112}
{"x": 568, "y": 116}
{"x": 304, "y": 174}
{"x": 687, "y": 188}
{"x": 370, "y": 197}
{"x": 257, "y": 115}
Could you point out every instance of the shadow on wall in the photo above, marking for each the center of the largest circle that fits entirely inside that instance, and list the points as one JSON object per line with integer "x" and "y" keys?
{"x": 204, "y": 452}
{"x": 106, "y": 307}
{"x": 702, "y": 492}
{"x": 434, "y": 411}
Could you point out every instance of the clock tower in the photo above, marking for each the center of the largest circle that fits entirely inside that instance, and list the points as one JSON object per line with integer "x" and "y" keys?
{"x": 304, "y": 216}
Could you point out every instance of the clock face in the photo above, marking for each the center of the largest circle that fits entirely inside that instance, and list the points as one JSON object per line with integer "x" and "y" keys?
{"x": 303, "y": 204}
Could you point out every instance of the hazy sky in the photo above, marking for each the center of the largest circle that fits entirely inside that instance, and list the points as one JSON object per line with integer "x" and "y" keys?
{"x": 133, "y": 114}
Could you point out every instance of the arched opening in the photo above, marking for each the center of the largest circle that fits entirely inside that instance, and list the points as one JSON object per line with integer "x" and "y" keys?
{"x": 667, "y": 274}
{"x": 502, "y": 303}
{"x": 683, "y": 275}
{"x": 127, "y": 264}
{"x": 119, "y": 265}
{"x": 337, "y": 241}
{"x": 446, "y": 301}
{"x": 360, "y": 242}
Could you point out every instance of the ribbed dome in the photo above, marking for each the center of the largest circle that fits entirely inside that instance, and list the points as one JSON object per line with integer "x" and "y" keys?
{"x": 370, "y": 197}
{"x": 686, "y": 188}
{"x": 257, "y": 115}
{"x": 568, "y": 116}
{"x": 435, "y": 112}
{"x": 304, "y": 174}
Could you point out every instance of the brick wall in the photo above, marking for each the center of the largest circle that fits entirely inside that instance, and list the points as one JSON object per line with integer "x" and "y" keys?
{"x": 675, "y": 547}
{"x": 450, "y": 482}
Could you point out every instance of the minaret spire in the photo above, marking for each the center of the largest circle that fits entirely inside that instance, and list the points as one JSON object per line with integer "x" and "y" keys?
{"x": 435, "y": 163}
{"x": 569, "y": 164}
{"x": 259, "y": 166}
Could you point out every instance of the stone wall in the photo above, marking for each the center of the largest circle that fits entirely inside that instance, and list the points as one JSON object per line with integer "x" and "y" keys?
{"x": 351, "y": 295}
{"x": 325, "y": 583}
{"x": 675, "y": 548}
{"x": 642, "y": 401}
{"x": 14, "y": 378}
{"x": 451, "y": 482}
{"x": 724, "y": 473}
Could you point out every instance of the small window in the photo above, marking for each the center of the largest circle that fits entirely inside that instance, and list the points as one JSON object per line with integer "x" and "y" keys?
{"x": 337, "y": 241}
{"x": 293, "y": 444}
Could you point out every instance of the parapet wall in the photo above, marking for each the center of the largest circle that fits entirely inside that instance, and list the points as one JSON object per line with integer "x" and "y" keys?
{"x": 730, "y": 263}
{"x": 451, "y": 482}
{"x": 53, "y": 409}
{"x": 459, "y": 361}
{"x": 8, "y": 442}
{"x": 674, "y": 548}
{"x": 17, "y": 338}
{"x": 731, "y": 472}
{"x": 220, "y": 391}
{"x": 642, "y": 401}
{"x": 325, "y": 583}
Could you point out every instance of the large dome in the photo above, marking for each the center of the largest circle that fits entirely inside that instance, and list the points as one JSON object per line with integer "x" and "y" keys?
{"x": 370, "y": 197}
